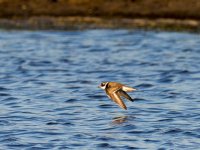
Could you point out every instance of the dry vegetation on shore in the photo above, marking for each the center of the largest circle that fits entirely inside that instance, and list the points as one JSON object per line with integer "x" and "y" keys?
{"x": 100, "y": 13}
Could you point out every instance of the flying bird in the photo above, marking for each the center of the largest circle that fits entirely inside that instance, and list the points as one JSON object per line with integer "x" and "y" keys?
{"x": 115, "y": 91}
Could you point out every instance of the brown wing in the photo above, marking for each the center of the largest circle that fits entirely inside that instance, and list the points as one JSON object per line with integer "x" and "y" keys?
{"x": 124, "y": 94}
{"x": 116, "y": 98}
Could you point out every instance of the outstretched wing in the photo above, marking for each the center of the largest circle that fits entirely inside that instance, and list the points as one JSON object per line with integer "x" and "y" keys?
{"x": 127, "y": 89}
{"x": 124, "y": 94}
{"x": 116, "y": 98}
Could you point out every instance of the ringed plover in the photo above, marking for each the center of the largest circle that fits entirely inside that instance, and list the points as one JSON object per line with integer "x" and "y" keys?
{"x": 115, "y": 90}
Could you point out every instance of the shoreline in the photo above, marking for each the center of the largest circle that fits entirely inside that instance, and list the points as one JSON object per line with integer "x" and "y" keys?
{"x": 80, "y": 23}
{"x": 179, "y": 15}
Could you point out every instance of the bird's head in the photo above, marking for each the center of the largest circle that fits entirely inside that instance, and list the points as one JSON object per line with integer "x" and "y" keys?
{"x": 103, "y": 85}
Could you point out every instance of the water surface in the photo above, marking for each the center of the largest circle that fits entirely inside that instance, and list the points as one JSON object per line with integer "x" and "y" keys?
{"x": 49, "y": 97}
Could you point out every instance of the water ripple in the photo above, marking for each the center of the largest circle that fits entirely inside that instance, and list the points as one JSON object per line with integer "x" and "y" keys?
{"x": 50, "y": 100}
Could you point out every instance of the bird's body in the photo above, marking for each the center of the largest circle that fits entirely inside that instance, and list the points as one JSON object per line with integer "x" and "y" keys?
{"x": 115, "y": 90}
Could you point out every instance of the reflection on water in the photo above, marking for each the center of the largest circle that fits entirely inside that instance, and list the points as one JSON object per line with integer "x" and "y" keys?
{"x": 119, "y": 120}
{"x": 49, "y": 97}
{"x": 123, "y": 119}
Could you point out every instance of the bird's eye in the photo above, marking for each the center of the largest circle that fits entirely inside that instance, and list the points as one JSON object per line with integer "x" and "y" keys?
{"x": 102, "y": 84}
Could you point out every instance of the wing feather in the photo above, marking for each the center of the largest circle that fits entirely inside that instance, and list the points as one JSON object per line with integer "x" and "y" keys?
{"x": 116, "y": 98}
{"x": 124, "y": 94}
{"x": 127, "y": 89}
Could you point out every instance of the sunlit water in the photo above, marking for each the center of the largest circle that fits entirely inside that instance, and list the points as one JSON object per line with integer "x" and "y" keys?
{"x": 49, "y": 97}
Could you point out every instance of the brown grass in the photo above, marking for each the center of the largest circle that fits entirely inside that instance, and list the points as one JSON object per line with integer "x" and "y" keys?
{"x": 179, "y": 9}
{"x": 70, "y": 14}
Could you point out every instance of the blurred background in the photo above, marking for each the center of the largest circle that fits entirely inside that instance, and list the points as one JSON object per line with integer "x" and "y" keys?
{"x": 64, "y": 14}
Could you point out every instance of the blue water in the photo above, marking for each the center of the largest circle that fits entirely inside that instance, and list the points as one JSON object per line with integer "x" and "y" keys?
{"x": 49, "y": 97}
